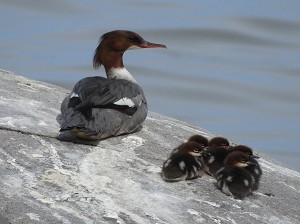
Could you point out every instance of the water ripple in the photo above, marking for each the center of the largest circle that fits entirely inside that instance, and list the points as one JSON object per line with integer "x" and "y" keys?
{"x": 210, "y": 35}
{"x": 270, "y": 24}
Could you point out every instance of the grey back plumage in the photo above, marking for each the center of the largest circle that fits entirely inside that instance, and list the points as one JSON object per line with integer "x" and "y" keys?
{"x": 91, "y": 112}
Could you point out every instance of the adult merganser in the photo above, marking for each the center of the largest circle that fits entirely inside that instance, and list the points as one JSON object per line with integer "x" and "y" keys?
{"x": 234, "y": 180}
{"x": 101, "y": 107}
{"x": 184, "y": 164}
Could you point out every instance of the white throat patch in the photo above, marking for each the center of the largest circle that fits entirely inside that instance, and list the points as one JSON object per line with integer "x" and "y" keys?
{"x": 133, "y": 47}
{"x": 120, "y": 73}
{"x": 211, "y": 160}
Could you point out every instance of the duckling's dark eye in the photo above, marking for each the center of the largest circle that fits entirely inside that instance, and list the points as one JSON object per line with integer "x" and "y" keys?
{"x": 196, "y": 150}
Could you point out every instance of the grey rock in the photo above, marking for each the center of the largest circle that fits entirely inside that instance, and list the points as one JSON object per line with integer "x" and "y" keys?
{"x": 45, "y": 180}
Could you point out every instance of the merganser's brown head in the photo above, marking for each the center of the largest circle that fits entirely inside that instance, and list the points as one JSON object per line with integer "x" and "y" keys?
{"x": 237, "y": 159}
{"x": 113, "y": 44}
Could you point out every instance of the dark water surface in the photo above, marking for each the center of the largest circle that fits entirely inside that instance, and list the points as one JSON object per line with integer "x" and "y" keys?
{"x": 231, "y": 67}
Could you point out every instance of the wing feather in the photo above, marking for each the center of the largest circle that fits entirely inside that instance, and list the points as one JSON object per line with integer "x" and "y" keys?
{"x": 101, "y": 92}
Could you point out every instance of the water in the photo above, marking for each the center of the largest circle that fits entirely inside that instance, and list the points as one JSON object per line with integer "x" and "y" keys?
{"x": 231, "y": 67}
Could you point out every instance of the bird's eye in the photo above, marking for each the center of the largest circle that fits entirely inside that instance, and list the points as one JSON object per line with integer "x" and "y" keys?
{"x": 196, "y": 150}
{"x": 132, "y": 38}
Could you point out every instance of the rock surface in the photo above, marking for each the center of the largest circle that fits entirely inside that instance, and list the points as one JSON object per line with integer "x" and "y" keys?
{"x": 44, "y": 180}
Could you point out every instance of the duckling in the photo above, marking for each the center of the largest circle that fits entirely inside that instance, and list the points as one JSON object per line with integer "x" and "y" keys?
{"x": 254, "y": 168}
{"x": 184, "y": 164}
{"x": 233, "y": 179}
{"x": 213, "y": 159}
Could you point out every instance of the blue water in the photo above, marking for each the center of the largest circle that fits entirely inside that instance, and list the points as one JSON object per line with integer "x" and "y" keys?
{"x": 231, "y": 67}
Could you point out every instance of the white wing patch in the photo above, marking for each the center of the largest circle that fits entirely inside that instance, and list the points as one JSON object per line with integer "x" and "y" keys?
{"x": 182, "y": 165}
{"x": 220, "y": 183}
{"x": 125, "y": 102}
{"x": 175, "y": 151}
{"x": 74, "y": 95}
{"x": 220, "y": 170}
{"x": 246, "y": 182}
{"x": 211, "y": 160}
{"x": 229, "y": 179}
{"x": 167, "y": 163}
{"x": 226, "y": 190}
{"x": 195, "y": 169}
